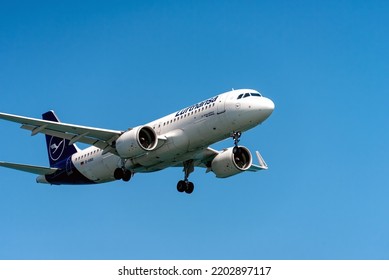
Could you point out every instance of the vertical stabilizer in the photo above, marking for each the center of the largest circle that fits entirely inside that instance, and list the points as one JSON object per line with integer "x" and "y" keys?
{"x": 58, "y": 149}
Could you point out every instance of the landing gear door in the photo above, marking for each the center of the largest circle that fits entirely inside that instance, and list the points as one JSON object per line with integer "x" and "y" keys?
{"x": 221, "y": 104}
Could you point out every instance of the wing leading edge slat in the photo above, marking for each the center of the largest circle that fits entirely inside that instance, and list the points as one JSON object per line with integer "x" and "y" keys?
{"x": 101, "y": 138}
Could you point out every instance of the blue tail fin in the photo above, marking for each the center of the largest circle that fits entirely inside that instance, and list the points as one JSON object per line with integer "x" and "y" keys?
{"x": 58, "y": 149}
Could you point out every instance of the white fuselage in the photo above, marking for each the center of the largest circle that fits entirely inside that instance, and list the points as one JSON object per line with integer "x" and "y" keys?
{"x": 186, "y": 133}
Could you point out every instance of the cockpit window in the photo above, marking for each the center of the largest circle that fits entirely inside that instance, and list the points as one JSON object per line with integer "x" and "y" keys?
{"x": 244, "y": 95}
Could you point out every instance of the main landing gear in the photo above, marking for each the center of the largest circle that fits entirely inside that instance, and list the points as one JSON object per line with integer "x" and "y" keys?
{"x": 122, "y": 174}
{"x": 185, "y": 185}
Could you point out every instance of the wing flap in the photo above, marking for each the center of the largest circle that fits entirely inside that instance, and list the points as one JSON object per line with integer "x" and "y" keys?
{"x": 29, "y": 168}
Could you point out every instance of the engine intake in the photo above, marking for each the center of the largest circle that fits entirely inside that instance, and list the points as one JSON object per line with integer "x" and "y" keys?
{"x": 229, "y": 163}
{"x": 136, "y": 142}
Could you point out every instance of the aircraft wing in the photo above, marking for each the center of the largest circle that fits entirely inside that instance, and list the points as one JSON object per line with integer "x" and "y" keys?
{"x": 101, "y": 138}
{"x": 29, "y": 168}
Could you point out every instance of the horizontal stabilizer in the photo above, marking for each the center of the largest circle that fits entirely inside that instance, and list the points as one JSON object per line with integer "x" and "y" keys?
{"x": 29, "y": 168}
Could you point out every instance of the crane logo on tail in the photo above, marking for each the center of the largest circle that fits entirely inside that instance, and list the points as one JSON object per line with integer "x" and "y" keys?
{"x": 56, "y": 148}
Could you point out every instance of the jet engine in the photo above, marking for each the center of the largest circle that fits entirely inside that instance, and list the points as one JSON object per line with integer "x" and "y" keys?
{"x": 136, "y": 142}
{"x": 231, "y": 161}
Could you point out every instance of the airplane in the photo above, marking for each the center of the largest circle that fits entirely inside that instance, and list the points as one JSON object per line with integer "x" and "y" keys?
{"x": 180, "y": 139}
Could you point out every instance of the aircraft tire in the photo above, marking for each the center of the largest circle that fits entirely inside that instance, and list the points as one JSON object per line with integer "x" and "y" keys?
{"x": 189, "y": 188}
{"x": 181, "y": 186}
{"x": 118, "y": 173}
{"x": 126, "y": 176}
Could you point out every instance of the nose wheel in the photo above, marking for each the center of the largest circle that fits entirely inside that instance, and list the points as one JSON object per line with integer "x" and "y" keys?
{"x": 185, "y": 185}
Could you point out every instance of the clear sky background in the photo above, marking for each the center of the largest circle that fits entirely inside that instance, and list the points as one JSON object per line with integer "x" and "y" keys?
{"x": 119, "y": 64}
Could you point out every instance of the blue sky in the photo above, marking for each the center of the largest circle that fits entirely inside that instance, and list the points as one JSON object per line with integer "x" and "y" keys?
{"x": 118, "y": 64}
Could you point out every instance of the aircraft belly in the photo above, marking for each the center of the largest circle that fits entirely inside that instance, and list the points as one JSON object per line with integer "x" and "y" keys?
{"x": 183, "y": 144}
{"x": 177, "y": 144}
{"x": 69, "y": 175}
{"x": 99, "y": 168}
{"x": 160, "y": 165}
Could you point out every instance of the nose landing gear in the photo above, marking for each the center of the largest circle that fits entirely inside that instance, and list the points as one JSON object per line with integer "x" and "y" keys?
{"x": 236, "y": 137}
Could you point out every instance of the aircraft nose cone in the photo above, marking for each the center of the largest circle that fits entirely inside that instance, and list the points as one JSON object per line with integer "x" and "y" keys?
{"x": 268, "y": 104}
{"x": 267, "y": 107}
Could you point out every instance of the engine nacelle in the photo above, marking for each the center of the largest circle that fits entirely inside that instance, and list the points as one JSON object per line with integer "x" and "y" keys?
{"x": 228, "y": 163}
{"x": 136, "y": 142}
